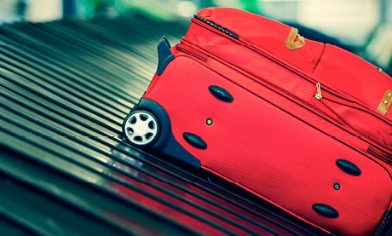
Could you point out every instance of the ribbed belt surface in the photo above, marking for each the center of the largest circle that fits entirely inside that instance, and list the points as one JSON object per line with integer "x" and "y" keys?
{"x": 65, "y": 88}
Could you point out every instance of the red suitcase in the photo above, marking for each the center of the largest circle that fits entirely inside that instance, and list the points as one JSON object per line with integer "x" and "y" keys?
{"x": 303, "y": 125}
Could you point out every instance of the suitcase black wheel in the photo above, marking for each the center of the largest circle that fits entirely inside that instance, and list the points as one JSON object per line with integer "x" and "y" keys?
{"x": 141, "y": 128}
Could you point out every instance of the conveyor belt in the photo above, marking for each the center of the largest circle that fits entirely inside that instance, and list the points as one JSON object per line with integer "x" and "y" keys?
{"x": 64, "y": 169}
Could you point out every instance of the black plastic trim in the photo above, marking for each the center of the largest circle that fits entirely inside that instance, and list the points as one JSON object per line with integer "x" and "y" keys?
{"x": 220, "y": 93}
{"x": 325, "y": 210}
{"x": 166, "y": 142}
{"x": 348, "y": 167}
{"x": 164, "y": 55}
{"x": 194, "y": 140}
{"x": 385, "y": 226}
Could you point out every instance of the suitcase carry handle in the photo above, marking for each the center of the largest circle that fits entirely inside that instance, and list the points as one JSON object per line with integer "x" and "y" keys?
{"x": 385, "y": 103}
{"x": 294, "y": 40}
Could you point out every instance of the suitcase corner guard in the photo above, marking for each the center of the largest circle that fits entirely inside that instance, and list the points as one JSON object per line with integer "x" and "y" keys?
{"x": 148, "y": 126}
{"x": 164, "y": 55}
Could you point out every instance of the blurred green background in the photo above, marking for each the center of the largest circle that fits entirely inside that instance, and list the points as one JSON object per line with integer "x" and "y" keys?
{"x": 361, "y": 26}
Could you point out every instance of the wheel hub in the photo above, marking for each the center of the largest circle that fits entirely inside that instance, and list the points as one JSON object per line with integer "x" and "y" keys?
{"x": 141, "y": 128}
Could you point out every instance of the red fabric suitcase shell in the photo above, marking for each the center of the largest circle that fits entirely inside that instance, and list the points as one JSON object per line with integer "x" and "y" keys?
{"x": 270, "y": 152}
{"x": 275, "y": 139}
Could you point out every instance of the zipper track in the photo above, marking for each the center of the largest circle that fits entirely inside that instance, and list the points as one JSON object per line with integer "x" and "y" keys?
{"x": 379, "y": 155}
{"x": 260, "y": 81}
{"x": 287, "y": 66}
{"x": 374, "y": 147}
{"x": 353, "y": 104}
{"x": 266, "y": 84}
{"x": 218, "y": 27}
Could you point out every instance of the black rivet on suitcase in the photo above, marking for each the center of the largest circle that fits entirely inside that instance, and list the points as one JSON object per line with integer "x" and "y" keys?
{"x": 325, "y": 210}
{"x": 220, "y": 93}
{"x": 348, "y": 167}
{"x": 194, "y": 140}
{"x": 336, "y": 186}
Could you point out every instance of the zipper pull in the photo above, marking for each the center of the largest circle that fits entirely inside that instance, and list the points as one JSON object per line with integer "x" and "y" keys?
{"x": 318, "y": 94}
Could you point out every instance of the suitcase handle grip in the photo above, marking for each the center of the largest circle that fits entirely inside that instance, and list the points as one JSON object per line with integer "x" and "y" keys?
{"x": 294, "y": 40}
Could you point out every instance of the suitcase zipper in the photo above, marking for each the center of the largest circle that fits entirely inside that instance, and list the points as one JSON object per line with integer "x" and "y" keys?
{"x": 380, "y": 154}
{"x": 189, "y": 49}
{"x": 216, "y": 29}
{"x": 213, "y": 27}
{"x": 318, "y": 95}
